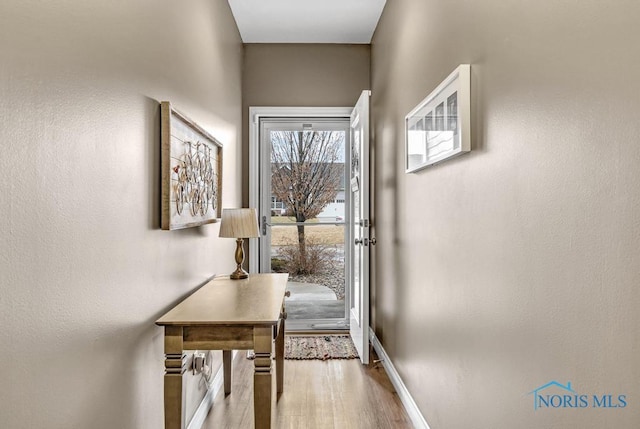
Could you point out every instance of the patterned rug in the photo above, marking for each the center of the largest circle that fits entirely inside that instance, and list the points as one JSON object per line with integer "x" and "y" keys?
{"x": 321, "y": 347}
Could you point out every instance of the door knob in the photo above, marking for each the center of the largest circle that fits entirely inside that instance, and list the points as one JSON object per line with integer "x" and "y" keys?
{"x": 358, "y": 241}
{"x": 265, "y": 224}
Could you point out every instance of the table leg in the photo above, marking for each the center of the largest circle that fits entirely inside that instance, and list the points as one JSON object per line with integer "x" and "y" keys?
{"x": 226, "y": 363}
{"x": 262, "y": 337}
{"x": 280, "y": 356}
{"x": 175, "y": 366}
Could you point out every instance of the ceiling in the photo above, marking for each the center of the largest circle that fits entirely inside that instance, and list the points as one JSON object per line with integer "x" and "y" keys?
{"x": 307, "y": 21}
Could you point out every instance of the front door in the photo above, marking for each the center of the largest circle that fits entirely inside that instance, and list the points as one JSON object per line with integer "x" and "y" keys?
{"x": 359, "y": 240}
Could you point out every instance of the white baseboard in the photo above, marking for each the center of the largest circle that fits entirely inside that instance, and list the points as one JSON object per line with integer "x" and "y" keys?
{"x": 417, "y": 419}
{"x": 205, "y": 405}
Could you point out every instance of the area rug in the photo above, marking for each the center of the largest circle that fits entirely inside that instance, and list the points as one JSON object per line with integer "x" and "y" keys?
{"x": 320, "y": 347}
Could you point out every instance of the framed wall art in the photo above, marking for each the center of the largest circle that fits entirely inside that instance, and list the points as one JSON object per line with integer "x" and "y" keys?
{"x": 191, "y": 172}
{"x": 439, "y": 127}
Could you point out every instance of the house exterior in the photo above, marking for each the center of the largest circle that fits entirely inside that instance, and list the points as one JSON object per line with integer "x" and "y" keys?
{"x": 334, "y": 211}
{"x": 493, "y": 273}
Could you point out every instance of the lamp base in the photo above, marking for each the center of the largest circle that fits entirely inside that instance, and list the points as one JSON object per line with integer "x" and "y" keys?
{"x": 239, "y": 274}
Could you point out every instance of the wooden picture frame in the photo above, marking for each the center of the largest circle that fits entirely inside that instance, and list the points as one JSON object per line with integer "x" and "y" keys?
{"x": 191, "y": 172}
{"x": 439, "y": 127}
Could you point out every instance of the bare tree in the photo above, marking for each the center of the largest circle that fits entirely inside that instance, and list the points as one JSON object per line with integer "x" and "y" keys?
{"x": 305, "y": 173}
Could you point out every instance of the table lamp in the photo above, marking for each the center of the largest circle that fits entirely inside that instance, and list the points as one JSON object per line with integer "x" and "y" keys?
{"x": 239, "y": 224}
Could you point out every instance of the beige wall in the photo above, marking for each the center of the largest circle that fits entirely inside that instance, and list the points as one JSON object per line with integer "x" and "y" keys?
{"x": 84, "y": 268}
{"x": 518, "y": 263}
{"x": 315, "y": 75}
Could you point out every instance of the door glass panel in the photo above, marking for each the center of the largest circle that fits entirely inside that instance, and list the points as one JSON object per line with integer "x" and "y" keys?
{"x": 306, "y": 216}
{"x": 355, "y": 272}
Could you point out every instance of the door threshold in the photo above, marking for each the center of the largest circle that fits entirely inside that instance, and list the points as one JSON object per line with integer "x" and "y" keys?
{"x": 308, "y": 326}
{"x": 317, "y": 331}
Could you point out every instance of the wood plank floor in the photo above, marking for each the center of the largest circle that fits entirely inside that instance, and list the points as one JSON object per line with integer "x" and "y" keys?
{"x": 317, "y": 394}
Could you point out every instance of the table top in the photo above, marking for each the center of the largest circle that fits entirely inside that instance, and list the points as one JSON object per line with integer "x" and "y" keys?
{"x": 256, "y": 300}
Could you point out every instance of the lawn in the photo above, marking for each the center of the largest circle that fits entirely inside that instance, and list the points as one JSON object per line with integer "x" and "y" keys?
{"x": 283, "y": 232}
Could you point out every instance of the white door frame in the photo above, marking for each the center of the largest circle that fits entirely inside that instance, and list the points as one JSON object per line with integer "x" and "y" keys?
{"x": 257, "y": 113}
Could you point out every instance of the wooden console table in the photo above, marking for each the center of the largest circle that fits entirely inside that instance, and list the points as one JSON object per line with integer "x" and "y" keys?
{"x": 227, "y": 315}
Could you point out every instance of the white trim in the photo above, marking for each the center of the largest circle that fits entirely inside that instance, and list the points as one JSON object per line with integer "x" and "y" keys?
{"x": 417, "y": 419}
{"x": 255, "y": 114}
{"x": 205, "y": 405}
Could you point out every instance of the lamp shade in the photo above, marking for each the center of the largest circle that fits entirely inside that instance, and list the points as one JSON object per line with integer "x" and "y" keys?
{"x": 239, "y": 223}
